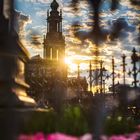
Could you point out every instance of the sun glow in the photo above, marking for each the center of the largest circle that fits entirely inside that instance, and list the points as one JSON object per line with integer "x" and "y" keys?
{"x": 71, "y": 65}
{"x": 74, "y": 62}
{"x": 68, "y": 60}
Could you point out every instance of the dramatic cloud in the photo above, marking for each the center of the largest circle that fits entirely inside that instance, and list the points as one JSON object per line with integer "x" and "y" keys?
{"x": 21, "y": 20}
{"x": 120, "y": 30}
{"x": 35, "y": 40}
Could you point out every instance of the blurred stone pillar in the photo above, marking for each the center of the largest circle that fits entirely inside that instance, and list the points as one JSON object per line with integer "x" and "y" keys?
{"x": 13, "y": 98}
{"x": 13, "y": 57}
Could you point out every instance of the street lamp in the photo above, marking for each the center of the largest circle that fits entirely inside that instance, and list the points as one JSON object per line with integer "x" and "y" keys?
{"x": 134, "y": 58}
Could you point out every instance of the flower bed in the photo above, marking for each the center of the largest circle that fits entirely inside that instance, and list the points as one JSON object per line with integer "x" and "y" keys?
{"x": 74, "y": 123}
{"x": 60, "y": 136}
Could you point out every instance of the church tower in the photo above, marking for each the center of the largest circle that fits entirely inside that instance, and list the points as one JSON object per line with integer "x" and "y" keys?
{"x": 54, "y": 42}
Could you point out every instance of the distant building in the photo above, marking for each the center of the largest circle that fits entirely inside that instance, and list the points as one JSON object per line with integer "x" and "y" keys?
{"x": 77, "y": 87}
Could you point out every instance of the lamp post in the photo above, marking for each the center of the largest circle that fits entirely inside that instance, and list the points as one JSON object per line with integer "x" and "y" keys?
{"x": 106, "y": 77}
{"x": 78, "y": 71}
{"x": 90, "y": 76}
{"x": 134, "y": 58}
{"x": 101, "y": 76}
{"x": 124, "y": 68}
{"x": 113, "y": 76}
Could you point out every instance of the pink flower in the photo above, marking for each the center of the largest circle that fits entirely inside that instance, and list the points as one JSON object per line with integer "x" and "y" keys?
{"x": 86, "y": 137}
{"x": 59, "y": 136}
{"x": 103, "y": 137}
{"x": 25, "y": 137}
{"x": 138, "y": 128}
{"x": 133, "y": 136}
{"x": 39, "y": 136}
{"x": 22, "y": 137}
{"x": 118, "y": 138}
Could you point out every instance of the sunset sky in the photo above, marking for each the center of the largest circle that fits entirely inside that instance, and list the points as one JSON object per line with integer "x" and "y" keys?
{"x": 32, "y": 15}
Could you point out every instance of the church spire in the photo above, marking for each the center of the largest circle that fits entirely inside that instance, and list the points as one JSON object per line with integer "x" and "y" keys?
{"x": 54, "y": 5}
{"x": 54, "y": 50}
{"x": 54, "y": 19}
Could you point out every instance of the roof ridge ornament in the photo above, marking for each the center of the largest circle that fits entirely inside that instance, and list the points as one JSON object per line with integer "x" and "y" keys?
{"x": 54, "y": 5}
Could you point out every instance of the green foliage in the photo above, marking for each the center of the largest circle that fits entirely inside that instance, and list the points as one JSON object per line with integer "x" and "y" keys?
{"x": 119, "y": 125}
{"x": 70, "y": 121}
{"x": 40, "y": 122}
{"x": 74, "y": 120}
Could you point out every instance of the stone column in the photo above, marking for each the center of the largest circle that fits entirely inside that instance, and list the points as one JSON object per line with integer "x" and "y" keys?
{"x": 13, "y": 56}
{"x": 14, "y": 102}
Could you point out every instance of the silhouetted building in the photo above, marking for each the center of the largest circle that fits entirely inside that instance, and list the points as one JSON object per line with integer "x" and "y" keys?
{"x": 54, "y": 42}
{"x": 77, "y": 87}
{"x": 47, "y": 76}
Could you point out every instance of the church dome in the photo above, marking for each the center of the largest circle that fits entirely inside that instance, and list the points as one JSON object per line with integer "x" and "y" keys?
{"x": 54, "y": 5}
